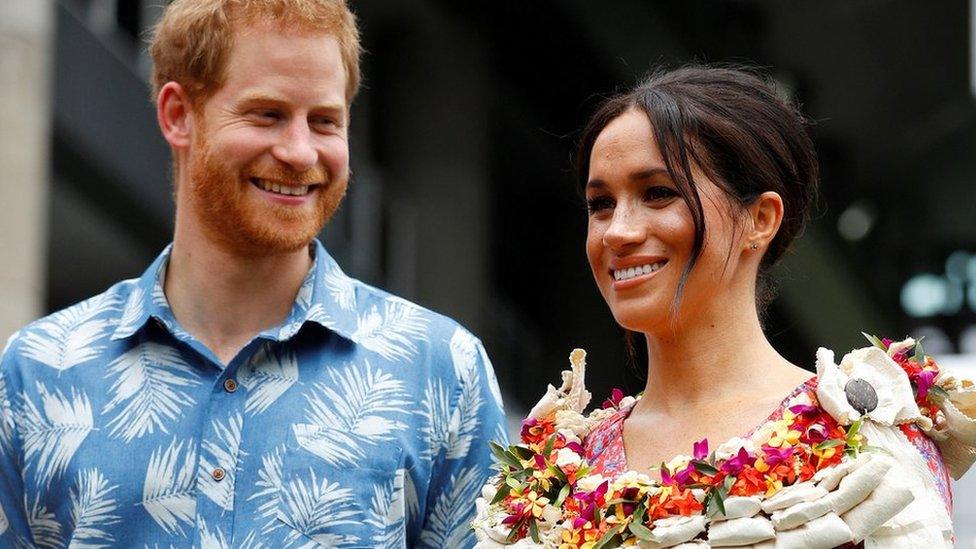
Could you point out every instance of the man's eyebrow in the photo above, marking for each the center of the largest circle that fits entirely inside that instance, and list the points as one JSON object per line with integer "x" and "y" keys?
{"x": 634, "y": 176}
{"x": 266, "y": 97}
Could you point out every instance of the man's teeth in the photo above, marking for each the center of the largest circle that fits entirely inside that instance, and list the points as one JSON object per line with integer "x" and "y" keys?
{"x": 293, "y": 190}
{"x": 631, "y": 272}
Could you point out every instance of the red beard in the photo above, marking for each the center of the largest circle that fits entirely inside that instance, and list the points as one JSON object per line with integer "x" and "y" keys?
{"x": 240, "y": 219}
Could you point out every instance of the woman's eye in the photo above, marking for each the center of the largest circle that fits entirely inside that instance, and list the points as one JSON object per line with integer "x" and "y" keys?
{"x": 594, "y": 205}
{"x": 659, "y": 192}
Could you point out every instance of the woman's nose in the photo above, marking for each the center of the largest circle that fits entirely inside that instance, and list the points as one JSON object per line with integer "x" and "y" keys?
{"x": 626, "y": 229}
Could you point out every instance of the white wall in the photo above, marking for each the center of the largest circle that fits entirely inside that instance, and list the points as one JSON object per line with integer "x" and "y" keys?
{"x": 26, "y": 39}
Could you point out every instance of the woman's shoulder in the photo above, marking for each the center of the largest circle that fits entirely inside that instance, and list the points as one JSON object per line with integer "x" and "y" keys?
{"x": 895, "y": 386}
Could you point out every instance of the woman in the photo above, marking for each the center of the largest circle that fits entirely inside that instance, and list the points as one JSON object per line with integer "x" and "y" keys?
{"x": 696, "y": 183}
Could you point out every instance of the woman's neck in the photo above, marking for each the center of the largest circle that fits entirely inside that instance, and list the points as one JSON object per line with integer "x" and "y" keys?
{"x": 715, "y": 356}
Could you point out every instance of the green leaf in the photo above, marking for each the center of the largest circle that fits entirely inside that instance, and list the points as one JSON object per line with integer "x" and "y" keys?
{"x": 563, "y": 494}
{"x": 522, "y": 452}
{"x": 641, "y": 531}
{"x": 505, "y": 456}
{"x": 855, "y": 428}
{"x": 876, "y": 449}
{"x": 717, "y": 502}
{"x": 729, "y": 481}
{"x": 821, "y": 446}
{"x": 938, "y": 392}
{"x": 502, "y": 493}
{"x": 513, "y": 483}
{"x": 608, "y": 537}
{"x": 704, "y": 468}
{"x": 549, "y": 444}
{"x": 919, "y": 355}
{"x": 875, "y": 341}
{"x": 534, "y": 531}
{"x": 514, "y": 533}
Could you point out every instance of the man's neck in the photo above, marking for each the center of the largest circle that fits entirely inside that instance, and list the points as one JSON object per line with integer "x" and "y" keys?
{"x": 223, "y": 299}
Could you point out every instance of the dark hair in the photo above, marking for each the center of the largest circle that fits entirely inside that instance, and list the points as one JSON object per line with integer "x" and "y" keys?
{"x": 731, "y": 124}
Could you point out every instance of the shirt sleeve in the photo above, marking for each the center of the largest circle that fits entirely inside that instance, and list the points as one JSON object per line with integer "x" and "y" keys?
{"x": 14, "y": 528}
{"x": 477, "y": 417}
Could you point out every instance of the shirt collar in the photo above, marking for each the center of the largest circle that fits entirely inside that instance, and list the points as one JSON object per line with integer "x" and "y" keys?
{"x": 327, "y": 297}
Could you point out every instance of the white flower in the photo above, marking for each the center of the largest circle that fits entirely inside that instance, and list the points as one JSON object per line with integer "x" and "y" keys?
{"x": 896, "y": 402}
{"x": 566, "y": 457}
{"x": 900, "y": 346}
{"x": 678, "y": 463}
{"x": 571, "y": 395}
{"x": 589, "y": 482}
{"x": 730, "y": 448}
{"x": 569, "y": 435}
{"x": 626, "y": 401}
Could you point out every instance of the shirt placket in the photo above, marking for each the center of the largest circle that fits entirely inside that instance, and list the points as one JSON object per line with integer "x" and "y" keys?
{"x": 220, "y": 455}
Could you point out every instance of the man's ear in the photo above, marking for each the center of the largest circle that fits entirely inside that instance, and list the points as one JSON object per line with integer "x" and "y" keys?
{"x": 174, "y": 112}
{"x": 766, "y": 213}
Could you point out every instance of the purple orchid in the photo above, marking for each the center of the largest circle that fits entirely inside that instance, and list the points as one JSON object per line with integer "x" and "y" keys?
{"x": 616, "y": 395}
{"x": 925, "y": 380}
{"x": 775, "y": 456}
{"x": 701, "y": 449}
{"x": 734, "y": 464}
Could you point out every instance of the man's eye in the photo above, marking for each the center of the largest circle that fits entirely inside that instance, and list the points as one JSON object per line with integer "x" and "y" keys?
{"x": 594, "y": 205}
{"x": 266, "y": 115}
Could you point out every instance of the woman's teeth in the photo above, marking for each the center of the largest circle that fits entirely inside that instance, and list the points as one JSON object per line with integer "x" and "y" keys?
{"x": 291, "y": 190}
{"x": 631, "y": 272}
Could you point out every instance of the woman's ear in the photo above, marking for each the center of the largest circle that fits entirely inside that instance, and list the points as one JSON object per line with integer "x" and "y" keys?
{"x": 174, "y": 112}
{"x": 766, "y": 213}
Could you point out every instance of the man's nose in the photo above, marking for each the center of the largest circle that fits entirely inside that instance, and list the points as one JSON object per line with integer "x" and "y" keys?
{"x": 295, "y": 147}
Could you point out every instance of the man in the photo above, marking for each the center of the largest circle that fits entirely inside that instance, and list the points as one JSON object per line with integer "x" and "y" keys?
{"x": 244, "y": 392}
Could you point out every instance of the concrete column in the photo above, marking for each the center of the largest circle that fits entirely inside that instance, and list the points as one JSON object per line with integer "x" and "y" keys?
{"x": 26, "y": 43}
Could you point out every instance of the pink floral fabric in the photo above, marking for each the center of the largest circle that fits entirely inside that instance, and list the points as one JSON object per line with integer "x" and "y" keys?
{"x": 604, "y": 446}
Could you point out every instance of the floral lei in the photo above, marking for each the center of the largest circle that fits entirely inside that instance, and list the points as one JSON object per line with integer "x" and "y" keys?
{"x": 548, "y": 493}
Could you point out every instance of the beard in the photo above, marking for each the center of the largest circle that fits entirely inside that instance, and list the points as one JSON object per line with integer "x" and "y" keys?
{"x": 242, "y": 221}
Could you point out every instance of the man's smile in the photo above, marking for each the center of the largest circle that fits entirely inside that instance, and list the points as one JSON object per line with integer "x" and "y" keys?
{"x": 282, "y": 188}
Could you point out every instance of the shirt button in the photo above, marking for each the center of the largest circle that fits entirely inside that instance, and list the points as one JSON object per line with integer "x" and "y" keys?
{"x": 218, "y": 474}
{"x": 230, "y": 385}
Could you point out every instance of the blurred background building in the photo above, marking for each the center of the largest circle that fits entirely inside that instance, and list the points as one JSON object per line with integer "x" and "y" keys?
{"x": 463, "y": 197}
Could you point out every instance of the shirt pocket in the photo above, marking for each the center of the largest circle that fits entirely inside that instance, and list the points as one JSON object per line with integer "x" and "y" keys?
{"x": 335, "y": 503}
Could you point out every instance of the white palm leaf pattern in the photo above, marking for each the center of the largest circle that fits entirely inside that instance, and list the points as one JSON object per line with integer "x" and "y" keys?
{"x": 134, "y": 307}
{"x": 341, "y": 288}
{"x": 44, "y": 526}
{"x": 267, "y": 375}
{"x": 386, "y": 513}
{"x": 92, "y": 508}
{"x": 149, "y": 387}
{"x": 394, "y": 333}
{"x": 69, "y": 337}
{"x": 435, "y": 409}
{"x": 359, "y": 406}
{"x": 4, "y": 523}
{"x": 316, "y": 509}
{"x": 306, "y": 292}
{"x": 167, "y": 494}
{"x": 6, "y": 419}
{"x": 222, "y": 453}
{"x": 53, "y": 432}
{"x": 465, "y": 355}
{"x": 211, "y": 540}
{"x": 448, "y": 521}
{"x": 411, "y": 501}
{"x": 270, "y": 484}
{"x": 251, "y": 541}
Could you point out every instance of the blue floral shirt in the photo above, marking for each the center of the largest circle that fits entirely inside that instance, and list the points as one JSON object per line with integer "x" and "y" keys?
{"x": 363, "y": 420}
